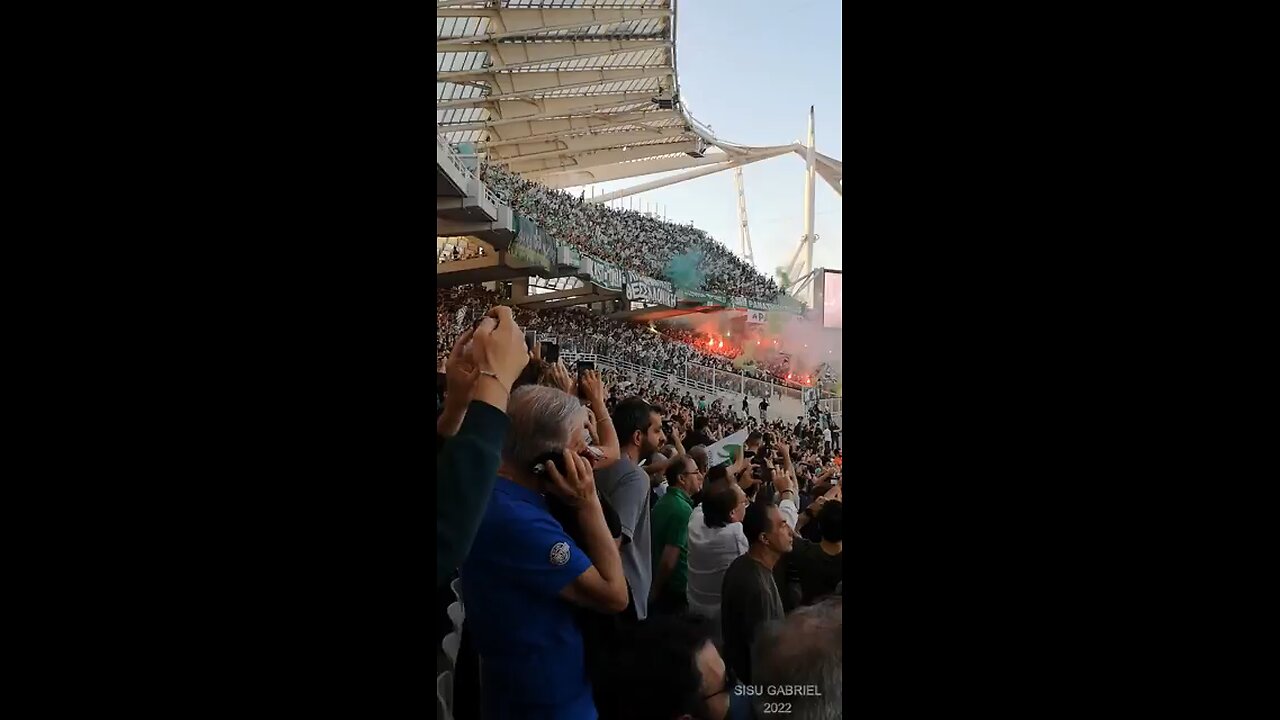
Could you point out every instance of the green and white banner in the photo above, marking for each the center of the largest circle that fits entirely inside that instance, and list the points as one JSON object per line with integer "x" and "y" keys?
{"x": 606, "y": 275}
{"x": 651, "y": 291}
{"x": 634, "y": 285}
{"x": 532, "y": 244}
{"x": 569, "y": 256}
{"x": 736, "y": 303}
{"x": 721, "y": 452}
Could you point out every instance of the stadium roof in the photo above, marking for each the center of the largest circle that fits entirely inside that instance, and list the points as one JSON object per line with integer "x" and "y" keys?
{"x": 573, "y": 92}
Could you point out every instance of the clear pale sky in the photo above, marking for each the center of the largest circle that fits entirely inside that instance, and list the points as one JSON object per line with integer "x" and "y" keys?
{"x": 750, "y": 69}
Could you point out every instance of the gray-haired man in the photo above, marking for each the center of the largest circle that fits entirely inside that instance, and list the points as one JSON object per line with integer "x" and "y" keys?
{"x": 804, "y": 652}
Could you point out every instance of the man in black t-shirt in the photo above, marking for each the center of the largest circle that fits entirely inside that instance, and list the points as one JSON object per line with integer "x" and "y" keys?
{"x": 764, "y": 409}
{"x": 749, "y": 596}
{"x": 817, "y": 566}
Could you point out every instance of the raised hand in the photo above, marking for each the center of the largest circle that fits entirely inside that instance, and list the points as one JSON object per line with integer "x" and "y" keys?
{"x": 498, "y": 346}
{"x": 782, "y": 482}
{"x": 592, "y": 386}
{"x": 577, "y": 486}
{"x": 561, "y": 377}
{"x": 460, "y": 372}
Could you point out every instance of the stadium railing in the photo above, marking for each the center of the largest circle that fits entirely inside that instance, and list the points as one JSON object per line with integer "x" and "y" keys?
{"x": 700, "y": 380}
{"x": 453, "y": 156}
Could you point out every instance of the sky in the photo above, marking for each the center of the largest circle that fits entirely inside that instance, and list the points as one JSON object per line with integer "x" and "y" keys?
{"x": 750, "y": 69}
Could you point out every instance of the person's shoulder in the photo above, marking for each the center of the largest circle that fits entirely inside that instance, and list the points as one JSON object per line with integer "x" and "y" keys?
{"x": 622, "y": 472}
{"x": 685, "y": 507}
{"x": 612, "y": 470}
{"x": 802, "y": 549}
{"x": 505, "y": 504}
{"x": 634, "y": 473}
{"x": 736, "y": 567}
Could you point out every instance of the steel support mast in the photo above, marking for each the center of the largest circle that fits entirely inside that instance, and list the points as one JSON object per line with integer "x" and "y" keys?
{"x": 800, "y": 269}
{"x": 744, "y": 232}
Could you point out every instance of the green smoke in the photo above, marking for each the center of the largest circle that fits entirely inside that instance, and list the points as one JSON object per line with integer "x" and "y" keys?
{"x": 683, "y": 272}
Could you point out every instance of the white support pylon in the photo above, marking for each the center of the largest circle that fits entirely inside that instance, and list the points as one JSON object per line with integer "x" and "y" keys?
{"x": 744, "y": 232}
{"x": 809, "y": 237}
{"x": 801, "y": 265}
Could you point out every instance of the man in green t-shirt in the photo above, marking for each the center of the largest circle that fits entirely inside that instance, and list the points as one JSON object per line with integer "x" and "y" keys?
{"x": 669, "y": 523}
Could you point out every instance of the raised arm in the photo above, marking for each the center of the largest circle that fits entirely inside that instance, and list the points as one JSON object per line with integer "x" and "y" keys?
{"x": 468, "y": 464}
{"x": 677, "y": 437}
{"x": 460, "y": 377}
{"x": 602, "y": 587}
{"x": 593, "y": 393}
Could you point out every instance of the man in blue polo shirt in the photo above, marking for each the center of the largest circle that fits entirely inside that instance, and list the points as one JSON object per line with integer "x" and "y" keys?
{"x": 525, "y": 574}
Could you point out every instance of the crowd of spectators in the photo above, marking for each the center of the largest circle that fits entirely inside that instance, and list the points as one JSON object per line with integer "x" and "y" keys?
{"x": 627, "y": 238}
{"x": 609, "y": 567}
{"x": 455, "y": 253}
{"x": 665, "y": 347}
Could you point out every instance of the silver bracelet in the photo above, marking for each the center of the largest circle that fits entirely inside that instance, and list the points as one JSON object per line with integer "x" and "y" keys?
{"x": 495, "y": 377}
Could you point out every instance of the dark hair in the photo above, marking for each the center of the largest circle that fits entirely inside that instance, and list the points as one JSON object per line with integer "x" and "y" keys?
{"x": 531, "y": 373}
{"x": 718, "y": 504}
{"x": 658, "y": 409}
{"x": 717, "y": 474}
{"x": 700, "y": 422}
{"x": 756, "y": 521}
{"x": 655, "y": 674}
{"x": 676, "y": 469}
{"x": 831, "y": 521}
{"x": 631, "y": 416}
{"x": 754, "y": 437}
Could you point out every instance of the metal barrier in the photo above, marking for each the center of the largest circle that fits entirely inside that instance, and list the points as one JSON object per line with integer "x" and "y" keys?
{"x": 453, "y": 157}
{"x": 695, "y": 377}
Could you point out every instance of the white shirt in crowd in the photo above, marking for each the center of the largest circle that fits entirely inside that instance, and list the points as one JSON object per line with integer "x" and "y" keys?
{"x": 711, "y": 550}
{"x": 826, "y": 435}
{"x": 790, "y": 512}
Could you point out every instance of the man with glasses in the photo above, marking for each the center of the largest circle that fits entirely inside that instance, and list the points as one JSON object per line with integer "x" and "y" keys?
{"x": 670, "y": 529}
{"x": 669, "y": 669}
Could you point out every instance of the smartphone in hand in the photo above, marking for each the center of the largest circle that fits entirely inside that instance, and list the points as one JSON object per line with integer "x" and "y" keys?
{"x": 550, "y": 352}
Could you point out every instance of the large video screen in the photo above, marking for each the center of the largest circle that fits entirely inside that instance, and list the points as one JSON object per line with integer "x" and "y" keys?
{"x": 832, "y": 299}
